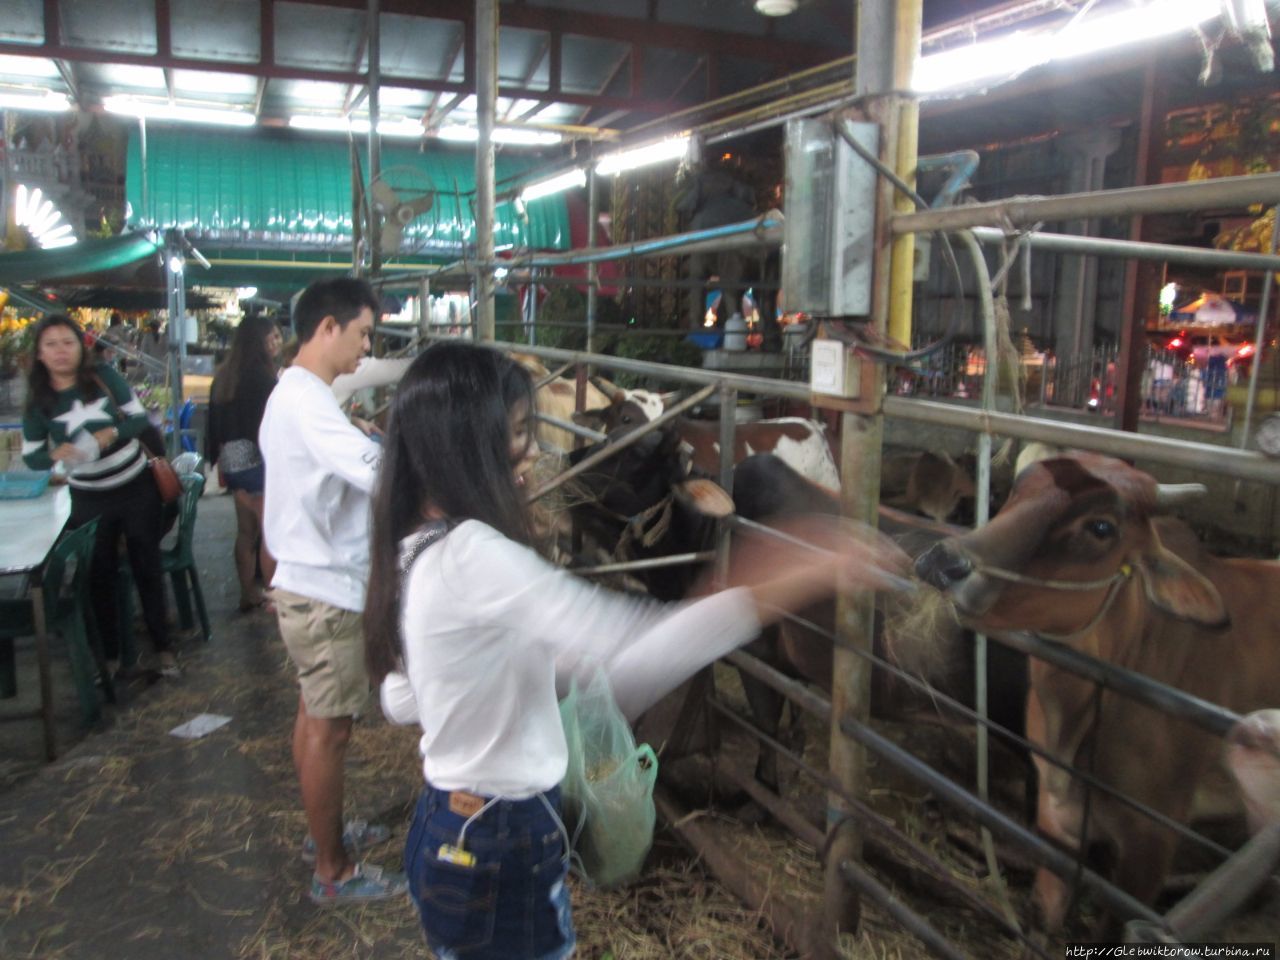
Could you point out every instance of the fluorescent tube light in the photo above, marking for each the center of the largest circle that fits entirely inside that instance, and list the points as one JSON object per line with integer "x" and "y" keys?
{"x": 672, "y": 149}
{"x": 43, "y": 101}
{"x": 522, "y": 136}
{"x": 395, "y": 127}
{"x": 577, "y": 177}
{"x": 1010, "y": 55}
{"x": 178, "y": 113}
{"x": 40, "y": 217}
{"x": 1134, "y": 25}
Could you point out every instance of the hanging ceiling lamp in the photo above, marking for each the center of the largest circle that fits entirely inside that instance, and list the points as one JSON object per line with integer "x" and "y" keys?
{"x": 776, "y": 8}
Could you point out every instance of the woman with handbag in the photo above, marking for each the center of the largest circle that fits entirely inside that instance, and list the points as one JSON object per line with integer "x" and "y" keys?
{"x": 88, "y": 419}
{"x": 237, "y": 401}
{"x": 469, "y": 631}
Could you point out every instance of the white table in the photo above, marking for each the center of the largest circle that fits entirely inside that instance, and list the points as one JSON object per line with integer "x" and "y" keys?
{"x": 30, "y": 528}
{"x": 28, "y": 531}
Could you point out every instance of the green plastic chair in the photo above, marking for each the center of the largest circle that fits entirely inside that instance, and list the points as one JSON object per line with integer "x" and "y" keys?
{"x": 66, "y": 612}
{"x": 179, "y": 560}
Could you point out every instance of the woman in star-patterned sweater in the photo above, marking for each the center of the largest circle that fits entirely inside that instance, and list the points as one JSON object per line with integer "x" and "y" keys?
{"x": 88, "y": 419}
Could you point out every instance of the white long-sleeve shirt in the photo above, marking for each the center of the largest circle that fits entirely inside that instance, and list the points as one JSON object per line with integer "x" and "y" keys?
{"x": 320, "y": 475}
{"x": 489, "y": 627}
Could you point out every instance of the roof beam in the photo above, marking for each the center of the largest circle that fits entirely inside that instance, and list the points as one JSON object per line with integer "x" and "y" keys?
{"x": 259, "y": 96}
{"x": 351, "y": 101}
{"x": 628, "y": 54}
{"x": 68, "y": 73}
{"x": 428, "y": 118}
{"x": 645, "y": 32}
{"x": 529, "y": 74}
{"x": 52, "y": 23}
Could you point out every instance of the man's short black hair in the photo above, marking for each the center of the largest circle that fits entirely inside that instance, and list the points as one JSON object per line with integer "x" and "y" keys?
{"x": 343, "y": 299}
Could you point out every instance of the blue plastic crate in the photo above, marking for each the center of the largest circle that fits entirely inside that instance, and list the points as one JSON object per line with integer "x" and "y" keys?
{"x": 23, "y": 484}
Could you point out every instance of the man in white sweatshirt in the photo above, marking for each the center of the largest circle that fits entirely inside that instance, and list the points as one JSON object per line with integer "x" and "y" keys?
{"x": 320, "y": 472}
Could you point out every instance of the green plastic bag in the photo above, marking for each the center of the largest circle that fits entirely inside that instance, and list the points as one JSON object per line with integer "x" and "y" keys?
{"x": 608, "y": 789}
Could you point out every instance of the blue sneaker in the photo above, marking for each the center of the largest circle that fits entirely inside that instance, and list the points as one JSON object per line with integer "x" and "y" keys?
{"x": 357, "y": 835}
{"x": 366, "y": 883}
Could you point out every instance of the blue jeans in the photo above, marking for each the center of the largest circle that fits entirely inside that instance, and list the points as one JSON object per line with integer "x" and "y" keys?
{"x": 512, "y": 903}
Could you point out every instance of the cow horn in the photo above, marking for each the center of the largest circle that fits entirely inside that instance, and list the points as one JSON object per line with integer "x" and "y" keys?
{"x": 1172, "y": 494}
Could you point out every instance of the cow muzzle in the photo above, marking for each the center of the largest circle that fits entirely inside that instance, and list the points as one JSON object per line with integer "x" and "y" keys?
{"x": 943, "y": 566}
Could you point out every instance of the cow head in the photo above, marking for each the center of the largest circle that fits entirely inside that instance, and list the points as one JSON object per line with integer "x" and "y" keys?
{"x": 640, "y": 502}
{"x": 1080, "y": 519}
{"x": 627, "y": 410}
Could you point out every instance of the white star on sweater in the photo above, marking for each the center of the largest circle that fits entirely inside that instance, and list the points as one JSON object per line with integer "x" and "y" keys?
{"x": 80, "y": 414}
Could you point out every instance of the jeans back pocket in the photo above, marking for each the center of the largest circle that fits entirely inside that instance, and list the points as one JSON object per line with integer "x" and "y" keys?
{"x": 458, "y": 903}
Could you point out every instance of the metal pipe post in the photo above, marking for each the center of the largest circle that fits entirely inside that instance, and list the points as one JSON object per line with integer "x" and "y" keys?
{"x": 593, "y": 276}
{"x": 424, "y": 308}
{"x": 907, "y": 28}
{"x": 176, "y": 300}
{"x": 861, "y": 441}
{"x": 486, "y": 98}
{"x": 1260, "y": 336}
{"x": 374, "y": 47}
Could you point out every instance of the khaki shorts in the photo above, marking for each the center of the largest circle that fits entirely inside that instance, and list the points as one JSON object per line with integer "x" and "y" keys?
{"x": 326, "y": 645}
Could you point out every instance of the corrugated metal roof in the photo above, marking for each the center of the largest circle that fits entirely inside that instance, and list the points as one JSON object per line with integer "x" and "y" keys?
{"x": 292, "y": 192}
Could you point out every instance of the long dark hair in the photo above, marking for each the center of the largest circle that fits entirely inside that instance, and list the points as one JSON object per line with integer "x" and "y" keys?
{"x": 41, "y": 394}
{"x": 248, "y": 352}
{"x": 448, "y": 446}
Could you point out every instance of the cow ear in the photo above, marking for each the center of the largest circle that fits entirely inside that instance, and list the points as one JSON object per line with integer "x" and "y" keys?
{"x": 591, "y": 419}
{"x": 1178, "y": 589}
{"x": 705, "y": 497}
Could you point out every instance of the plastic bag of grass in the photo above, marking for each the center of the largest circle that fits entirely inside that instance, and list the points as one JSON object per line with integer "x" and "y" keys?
{"x": 608, "y": 789}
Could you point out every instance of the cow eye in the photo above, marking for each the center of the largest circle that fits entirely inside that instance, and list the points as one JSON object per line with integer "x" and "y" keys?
{"x": 626, "y": 418}
{"x": 1102, "y": 529}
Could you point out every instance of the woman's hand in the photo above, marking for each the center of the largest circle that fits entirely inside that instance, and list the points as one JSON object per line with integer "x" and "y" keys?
{"x": 786, "y": 576}
{"x": 67, "y": 453}
{"x": 106, "y": 437}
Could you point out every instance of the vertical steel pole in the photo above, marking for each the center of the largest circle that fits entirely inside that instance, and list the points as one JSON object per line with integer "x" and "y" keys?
{"x": 486, "y": 98}
{"x": 593, "y": 271}
{"x": 375, "y": 142}
{"x": 424, "y": 309}
{"x": 907, "y": 28}
{"x": 176, "y": 300}
{"x": 144, "y": 215}
{"x": 1260, "y": 337}
{"x": 533, "y": 306}
{"x": 861, "y": 439}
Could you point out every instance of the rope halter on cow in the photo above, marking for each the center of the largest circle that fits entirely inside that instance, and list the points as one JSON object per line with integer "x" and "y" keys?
{"x": 1113, "y": 583}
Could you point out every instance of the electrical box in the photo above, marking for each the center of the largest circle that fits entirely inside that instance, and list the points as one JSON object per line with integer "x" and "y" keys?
{"x": 829, "y": 239}
{"x": 834, "y": 369}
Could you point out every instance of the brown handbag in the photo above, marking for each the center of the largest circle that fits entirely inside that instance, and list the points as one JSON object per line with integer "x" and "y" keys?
{"x": 166, "y": 479}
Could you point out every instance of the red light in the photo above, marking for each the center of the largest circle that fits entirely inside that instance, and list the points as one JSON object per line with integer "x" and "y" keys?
{"x": 1245, "y": 351}
{"x": 1175, "y": 343}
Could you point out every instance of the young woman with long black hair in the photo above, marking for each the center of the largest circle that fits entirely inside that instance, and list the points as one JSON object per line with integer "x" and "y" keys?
{"x": 468, "y": 630}
{"x": 237, "y": 401}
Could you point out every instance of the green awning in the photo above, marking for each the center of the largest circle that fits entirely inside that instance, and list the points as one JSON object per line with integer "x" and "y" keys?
{"x": 277, "y": 189}
{"x": 76, "y": 263}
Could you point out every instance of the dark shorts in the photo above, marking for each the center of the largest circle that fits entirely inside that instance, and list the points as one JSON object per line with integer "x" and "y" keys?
{"x": 252, "y": 480}
{"x": 512, "y": 902}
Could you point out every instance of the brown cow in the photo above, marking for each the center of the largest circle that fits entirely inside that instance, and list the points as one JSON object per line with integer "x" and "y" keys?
{"x": 558, "y": 399}
{"x": 1079, "y": 555}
